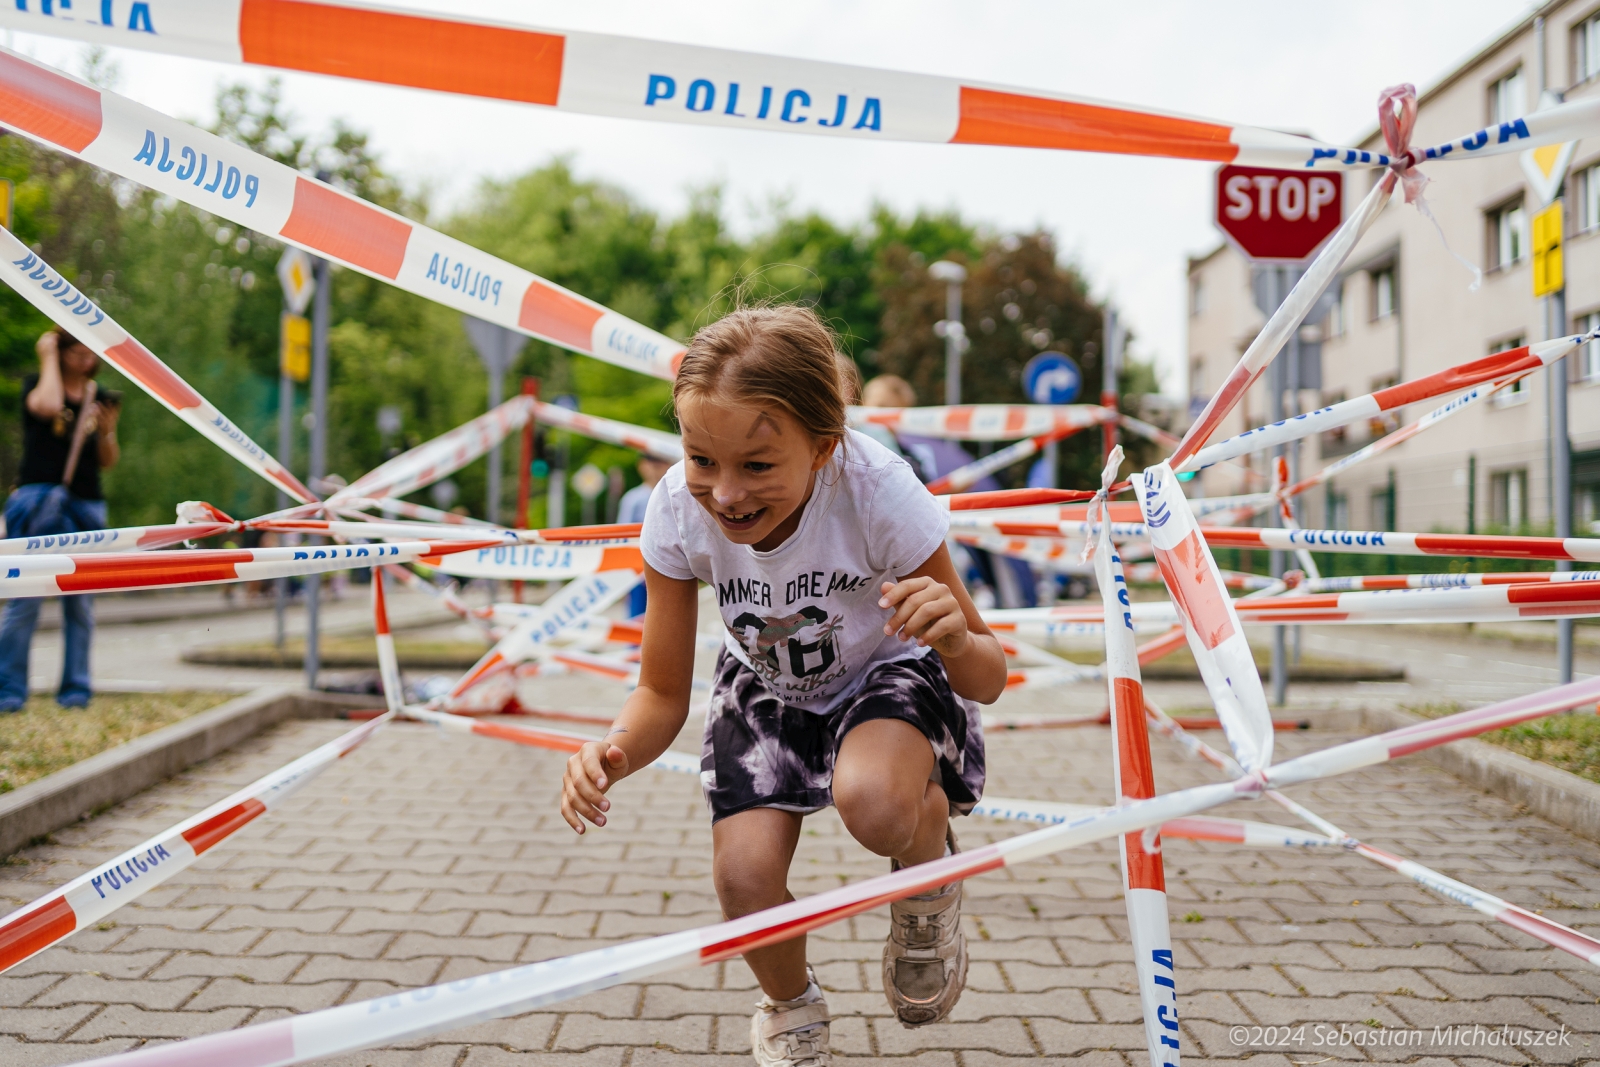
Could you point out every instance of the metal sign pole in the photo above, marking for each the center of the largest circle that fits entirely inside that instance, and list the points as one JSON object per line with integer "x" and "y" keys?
{"x": 318, "y": 466}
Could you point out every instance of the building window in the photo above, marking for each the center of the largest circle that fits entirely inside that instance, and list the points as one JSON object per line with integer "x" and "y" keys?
{"x": 1385, "y": 294}
{"x": 1335, "y": 322}
{"x": 1586, "y": 360}
{"x": 1383, "y": 508}
{"x": 1507, "y": 98}
{"x": 1586, "y": 49}
{"x": 1517, "y": 391}
{"x": 1508, "y": 498}
{"x": 1197, "y": 296}
{"x": 1508, "y": 235}
{"x": 1586, "y": 191}
{"x": 1338, "y": 505}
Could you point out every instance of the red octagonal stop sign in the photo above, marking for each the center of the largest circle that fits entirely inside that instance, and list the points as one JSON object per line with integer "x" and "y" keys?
{"x": 1278, "y": 214}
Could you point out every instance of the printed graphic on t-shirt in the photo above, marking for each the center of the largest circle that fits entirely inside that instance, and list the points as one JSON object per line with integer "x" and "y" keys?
{"x": 796, "y": 653}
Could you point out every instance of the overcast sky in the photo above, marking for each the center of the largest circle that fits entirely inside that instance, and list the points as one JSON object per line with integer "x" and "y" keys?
{"x": 1129, "y": 222}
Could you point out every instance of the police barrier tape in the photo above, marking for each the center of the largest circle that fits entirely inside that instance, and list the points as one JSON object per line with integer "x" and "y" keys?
{"x": 47, "y": 290}
{"x": 1144, "y": 886}
{"x": 1366, "y": 542}
{"x": 999, "y": 510}
{"x": 120, "y": 539}
{"x": 980, "y": 422}
{"x": 1194, "y": 582}
{"x": 1484, "y": 603}
{"x": 394, "y": 693}
{"x": 434, "y": 1009}
{"x": 1287, "y": 520}
{"x": 1284, "y": 321}
{"x": 231, "y": 182}
{"x": 98, "y": 892}
{"x": 1356, "y": 583}
{"x": 658, "y": 444}
{"x": 1398, "y": 606}
{"x": 1477, "y": 394}
{"x": 540, "y": 563}
{"x": 581, "y": 597}
{"x": 622, "y": 77}
{"x": 1511, "y": 363}
{"x": 969, "y": 475}
{"x": 440, "y": 457}
{"x": 1551, "y": 933}
{"x": 391, "y": 506}
{"x": 1381, "y": 542}
{"x": 53, "y": 575}
{"x": 1191, "y": 828}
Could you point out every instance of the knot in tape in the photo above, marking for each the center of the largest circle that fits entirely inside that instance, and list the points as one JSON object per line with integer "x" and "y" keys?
{"x": 1397, "y": 116}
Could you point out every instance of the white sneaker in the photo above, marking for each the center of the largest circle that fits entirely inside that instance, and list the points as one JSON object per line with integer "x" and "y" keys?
{"x": 925, "y": 955}
{"x": 792, "y": 1033}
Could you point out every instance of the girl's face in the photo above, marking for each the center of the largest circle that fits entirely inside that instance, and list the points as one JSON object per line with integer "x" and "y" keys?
{"x": 751, "y": 467}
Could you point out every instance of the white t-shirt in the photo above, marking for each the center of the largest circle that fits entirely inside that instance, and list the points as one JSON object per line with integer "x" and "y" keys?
{"x": 805, "y": 617}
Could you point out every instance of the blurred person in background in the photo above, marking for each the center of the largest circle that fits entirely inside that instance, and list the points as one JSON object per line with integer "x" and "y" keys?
{"x": 69, "y": 435}
{"x": 994, "y": 581}
{"x": 631, "y": 508}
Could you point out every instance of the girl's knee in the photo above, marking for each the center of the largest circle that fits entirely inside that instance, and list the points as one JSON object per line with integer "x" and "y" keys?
{"x": 880, "y": 821}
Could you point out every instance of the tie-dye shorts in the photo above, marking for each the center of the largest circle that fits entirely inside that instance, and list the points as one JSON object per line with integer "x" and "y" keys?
{"x": 759, "y": 752}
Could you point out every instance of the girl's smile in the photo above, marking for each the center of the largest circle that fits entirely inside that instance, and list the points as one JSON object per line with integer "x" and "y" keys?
{"x": 752, "y": 468}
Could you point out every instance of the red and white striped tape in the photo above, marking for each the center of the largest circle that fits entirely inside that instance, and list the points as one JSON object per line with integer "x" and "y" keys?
{"x": 93, "y": 895}
{"x": 120, "y": 539}
{"x": 1284, "y": 321}
{"x": 1551, "y": 933}
{"x": 440, "y": 457}
{"x": 1192, "y": 828}
{"x": 622, "y": 77}
{"x": 1357, "y": 583}
{"x": 656, "y": 443}
{"x": 1144, "y": 882}
{"x": 1215, "y": 637}
{"x": 29, "y": 576}
{"x": 391, "y": 1018}
{"x": 229, "y": 181}
{"x": 981, "y": 422}
{"x": 540, "y": 563}
{"x": 1382, "y": 542}
{"x": 1484, "y": 603}
{"x": 1477, "y": 394}
{"x": 1501, "y": 366}
{"x": 579, "y": 598}
{"x": 966, "y": 477}
{"x": 44, "y": 288}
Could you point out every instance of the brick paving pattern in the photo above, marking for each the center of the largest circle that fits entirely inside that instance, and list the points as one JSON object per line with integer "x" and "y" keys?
{"x": 424, "y": 857}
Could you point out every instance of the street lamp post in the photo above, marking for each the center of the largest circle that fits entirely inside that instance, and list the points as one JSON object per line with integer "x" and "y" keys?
{"x": 949, "y": 327}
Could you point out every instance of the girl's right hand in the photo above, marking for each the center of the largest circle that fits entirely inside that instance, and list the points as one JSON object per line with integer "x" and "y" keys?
{"x": 590, "y": 773}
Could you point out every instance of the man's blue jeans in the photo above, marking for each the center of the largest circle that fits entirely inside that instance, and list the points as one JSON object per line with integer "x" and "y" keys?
{"x": 22, "y": 615}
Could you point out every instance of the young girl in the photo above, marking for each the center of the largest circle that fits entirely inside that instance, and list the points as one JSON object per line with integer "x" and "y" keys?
{"x": 851, "y": 661}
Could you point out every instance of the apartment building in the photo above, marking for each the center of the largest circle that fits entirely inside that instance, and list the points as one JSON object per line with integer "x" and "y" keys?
{"x": 1404, "y": 308}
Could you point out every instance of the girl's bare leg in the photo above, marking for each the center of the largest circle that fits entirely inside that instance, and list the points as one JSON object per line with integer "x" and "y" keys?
{"x": 751, "y": 852}
{"x": 882, "y": 791}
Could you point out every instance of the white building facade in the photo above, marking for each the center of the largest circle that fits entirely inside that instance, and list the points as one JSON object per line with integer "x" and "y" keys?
{"x": 1405, "y": 309}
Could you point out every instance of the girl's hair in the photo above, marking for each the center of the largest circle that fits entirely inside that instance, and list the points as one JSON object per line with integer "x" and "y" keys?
{"x": 783, "y": 356}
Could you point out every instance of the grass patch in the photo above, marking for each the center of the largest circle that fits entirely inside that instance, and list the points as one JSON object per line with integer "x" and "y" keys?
{"x": 43, "y": 737}
{"x": 338, "y": 652}
{"x": 1570, "y": 742}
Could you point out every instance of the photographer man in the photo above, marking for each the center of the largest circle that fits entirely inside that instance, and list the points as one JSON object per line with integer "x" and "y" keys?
{"x": 69, "y": 434}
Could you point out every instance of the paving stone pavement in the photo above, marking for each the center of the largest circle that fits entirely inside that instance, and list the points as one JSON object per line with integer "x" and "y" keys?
{"x": 424, "y": 857}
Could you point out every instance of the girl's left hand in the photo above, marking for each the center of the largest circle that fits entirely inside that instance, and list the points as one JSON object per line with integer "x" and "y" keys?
{"x": 925, "y": 611}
